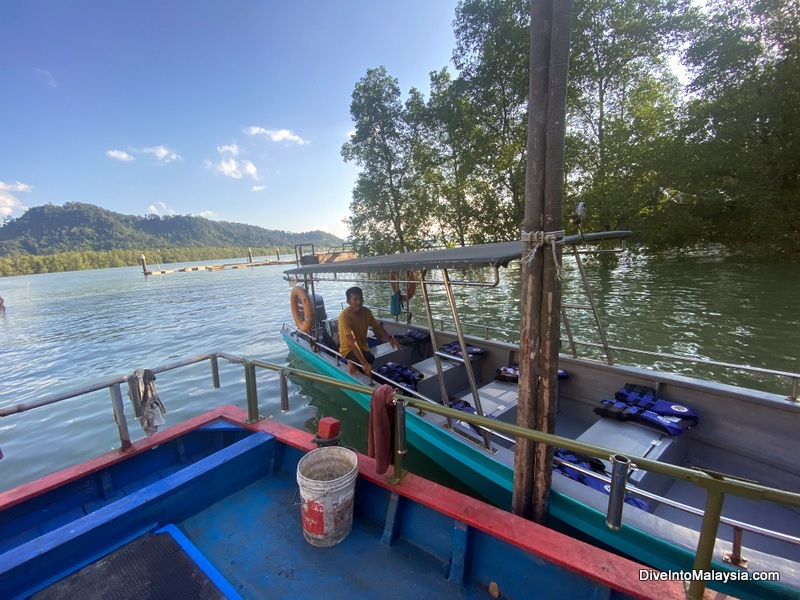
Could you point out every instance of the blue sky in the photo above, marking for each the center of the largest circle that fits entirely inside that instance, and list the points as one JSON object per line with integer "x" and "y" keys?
{"x": 233, "y": 110}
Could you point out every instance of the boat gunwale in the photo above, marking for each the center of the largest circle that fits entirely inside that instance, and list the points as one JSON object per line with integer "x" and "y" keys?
{"x": 599, "y": 566}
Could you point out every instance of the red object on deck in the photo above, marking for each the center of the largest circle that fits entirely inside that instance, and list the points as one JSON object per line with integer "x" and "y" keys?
{"x": 328, "y": 428}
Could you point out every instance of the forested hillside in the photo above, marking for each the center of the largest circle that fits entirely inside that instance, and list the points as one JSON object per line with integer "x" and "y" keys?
{"x": 78, "y": 227}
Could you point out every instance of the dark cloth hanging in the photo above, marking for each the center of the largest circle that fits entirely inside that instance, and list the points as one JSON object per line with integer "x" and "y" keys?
{"x": 380, "y": 439}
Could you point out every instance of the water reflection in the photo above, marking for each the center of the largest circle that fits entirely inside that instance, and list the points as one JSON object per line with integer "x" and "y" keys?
{"x": 64, "y": 330}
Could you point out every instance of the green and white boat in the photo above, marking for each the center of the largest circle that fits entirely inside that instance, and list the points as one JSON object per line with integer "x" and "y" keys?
{"x": 679, "y": 455}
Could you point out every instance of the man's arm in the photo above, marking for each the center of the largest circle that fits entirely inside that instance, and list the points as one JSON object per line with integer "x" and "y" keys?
{"x": 366, "y": 367}
{"x": 382, "y": 334}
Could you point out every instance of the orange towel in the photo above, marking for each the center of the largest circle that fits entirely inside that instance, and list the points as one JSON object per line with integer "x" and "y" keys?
{"x": 380, "y": 439}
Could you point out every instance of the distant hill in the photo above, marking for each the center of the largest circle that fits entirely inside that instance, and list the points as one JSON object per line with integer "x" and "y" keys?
{"x": 79, "y": 227}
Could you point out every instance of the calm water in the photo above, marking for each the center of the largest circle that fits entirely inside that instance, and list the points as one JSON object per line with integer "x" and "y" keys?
{"x": 61, "y": 331}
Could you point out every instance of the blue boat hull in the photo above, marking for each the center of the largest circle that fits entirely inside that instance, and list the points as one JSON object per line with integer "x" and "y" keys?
{"x": 232, "y": 509}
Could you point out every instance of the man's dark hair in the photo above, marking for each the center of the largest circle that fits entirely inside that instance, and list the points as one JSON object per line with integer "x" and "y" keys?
{"x": 353, "y": 291}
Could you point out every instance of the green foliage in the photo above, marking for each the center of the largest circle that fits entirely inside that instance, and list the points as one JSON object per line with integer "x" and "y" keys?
{"x": 26, "y": 264}
{"x": 715, "y": 163}
{"x": 623, "y": 105}
{"x": 85, "y": 228}
{"x": 388, "y": 207}
{"x": 742, "y": 148}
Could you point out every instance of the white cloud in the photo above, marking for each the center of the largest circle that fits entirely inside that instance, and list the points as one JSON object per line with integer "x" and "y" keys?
{"x": 234, "y": 169}
{"x": 207, "y": 214}
{"x": 119, "y": 155}
{"x": 231, "y": 149}
{"x": 8, "y": 201}
{"x": 46, "y": 77}
{"x": 258, "y": 188}
{"x": 162, "y": 153}
{"x": 276, "y": 135}
{"x": 160, "y": 208}
{"x": 250, "y": 169}
{"x": 351, "y": 133}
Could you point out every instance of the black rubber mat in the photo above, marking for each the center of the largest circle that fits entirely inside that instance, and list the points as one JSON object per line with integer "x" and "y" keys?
{"x": 152, "y": 567}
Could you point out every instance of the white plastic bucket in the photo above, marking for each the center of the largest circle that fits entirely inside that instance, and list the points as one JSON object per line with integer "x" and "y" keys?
{"x": 327, "y": 480}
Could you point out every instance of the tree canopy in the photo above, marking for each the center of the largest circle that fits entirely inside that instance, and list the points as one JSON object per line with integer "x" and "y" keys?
{"x": 715, "y": 159}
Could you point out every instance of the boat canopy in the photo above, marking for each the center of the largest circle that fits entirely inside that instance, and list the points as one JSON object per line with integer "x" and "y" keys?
{"x": 481, "y": 255}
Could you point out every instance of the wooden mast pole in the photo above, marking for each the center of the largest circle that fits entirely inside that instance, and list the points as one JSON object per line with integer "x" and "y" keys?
{"x": 541, "y": 289}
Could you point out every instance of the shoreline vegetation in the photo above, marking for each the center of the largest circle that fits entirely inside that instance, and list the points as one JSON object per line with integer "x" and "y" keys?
{"x": 28, "y": 264}
{"x": 79, "y": 236}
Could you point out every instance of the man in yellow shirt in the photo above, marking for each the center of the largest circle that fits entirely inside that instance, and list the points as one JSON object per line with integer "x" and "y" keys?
{"x": 354, "y": 322}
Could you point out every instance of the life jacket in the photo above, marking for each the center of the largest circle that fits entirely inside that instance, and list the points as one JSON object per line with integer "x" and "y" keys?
{"x": 465, "y": 406}
{"x": 511, "y": 374}
{"x": 418, "y": 340}
{"x": 639, "y": 403}
{"x": 592, "y": 464}
{"x": 402, "y": 375}
{"x": 454, "y": 349}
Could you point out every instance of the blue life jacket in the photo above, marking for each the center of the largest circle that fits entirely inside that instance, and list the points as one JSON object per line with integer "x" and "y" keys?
{"x": 418, "y": 340}
{"x": 511, "y": 374}
{"x": 454, "y": 349}
{"x": 465, "y": 406}
{"x": 639, "y": 403}
{"x": 402, "y": 375}
{"x": 593, "y": 464}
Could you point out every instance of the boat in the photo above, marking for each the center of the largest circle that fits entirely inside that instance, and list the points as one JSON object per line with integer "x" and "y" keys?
{"x": 209, "y": 508}
{"x": 710, "y": 432}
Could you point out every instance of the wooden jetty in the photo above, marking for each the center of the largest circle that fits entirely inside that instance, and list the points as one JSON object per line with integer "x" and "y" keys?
{"x": 323, "y": 257}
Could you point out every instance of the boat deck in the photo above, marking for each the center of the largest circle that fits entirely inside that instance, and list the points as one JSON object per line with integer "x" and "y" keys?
{"x": 231, "y": 522}
{"x": 254, "y": 540}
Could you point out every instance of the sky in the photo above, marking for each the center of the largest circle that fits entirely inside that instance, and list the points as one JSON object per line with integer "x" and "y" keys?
{"x": 231, "y": 110}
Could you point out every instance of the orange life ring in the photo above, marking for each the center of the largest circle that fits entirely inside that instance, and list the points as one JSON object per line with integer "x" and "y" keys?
{"x": 303, "y": 321}
{"x": 410, "y": 289}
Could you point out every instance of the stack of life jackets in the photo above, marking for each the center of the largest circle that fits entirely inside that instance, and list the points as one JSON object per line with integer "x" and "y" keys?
{"x": 418, "y": 340}
{"x": 454, "y": 349}
{"x": 592, "y": 464}
{"x": 401, "y": 375}
{"x": 639, "y": 404}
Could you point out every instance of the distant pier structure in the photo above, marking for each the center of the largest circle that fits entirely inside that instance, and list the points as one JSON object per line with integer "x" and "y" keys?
{"x": 324, "y": 257}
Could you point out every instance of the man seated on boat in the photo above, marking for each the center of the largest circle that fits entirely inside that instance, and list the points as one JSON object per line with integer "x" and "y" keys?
{"x": 354, "y": 323}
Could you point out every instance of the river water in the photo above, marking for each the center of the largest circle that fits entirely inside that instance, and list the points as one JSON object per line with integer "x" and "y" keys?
{"x": 62, "y": 331}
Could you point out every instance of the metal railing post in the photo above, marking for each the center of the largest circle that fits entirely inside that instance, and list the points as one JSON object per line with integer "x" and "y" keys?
{"x": 284, "y": 380}
{"x": 705, "y": 545}
{"x": 399, "y": 439}
{"x": 473, "y": 386}
{"x": 119, "y": 417}
{"x": 252, "y": 392}
{"x": 214, "y": 371}
{"x": 735, "y": 557}
{"x": 620, "y": 467}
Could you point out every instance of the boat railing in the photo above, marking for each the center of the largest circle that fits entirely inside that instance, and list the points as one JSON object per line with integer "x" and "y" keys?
{"x": 509, "y": 335}
{"x": 114, "y": 386}
{"x": 716, "y": 485}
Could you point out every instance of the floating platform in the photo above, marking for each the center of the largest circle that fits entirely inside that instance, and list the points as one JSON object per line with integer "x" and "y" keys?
{"x": 323, "y": 258}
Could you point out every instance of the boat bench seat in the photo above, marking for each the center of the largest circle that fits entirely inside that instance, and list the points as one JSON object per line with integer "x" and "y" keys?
{"x": 454, "y": 374}
{"x": 498, "y": 399}
{"x": 385, "y": 353}
{"x": 632, "y": 440}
